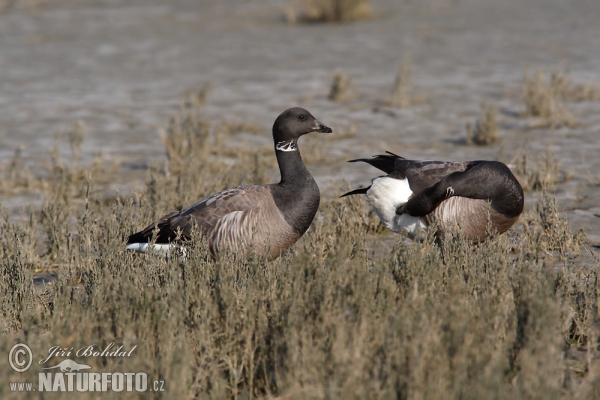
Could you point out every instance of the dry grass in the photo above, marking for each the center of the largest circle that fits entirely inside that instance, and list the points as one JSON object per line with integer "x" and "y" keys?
{"x": 18, "y": 178}
{"x": 485, "y": 130}
{"x": 548, "y": 232}
{"x": 310, "y": 11}
{"x": 572, "y": 92}
{"x": 402, "y": 93}
{"x": 198, "y": 97}
{"x": 544, "y": 99}
{"x": 402, "y": 83}
{"x": 340, "y": 316}
{"x": 540, "y": 172}
{"x": 341, "y": 88}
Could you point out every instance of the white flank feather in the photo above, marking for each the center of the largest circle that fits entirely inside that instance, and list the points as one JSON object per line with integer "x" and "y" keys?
{"x": 164, "y": 249}
{"x": 385, "y": 195}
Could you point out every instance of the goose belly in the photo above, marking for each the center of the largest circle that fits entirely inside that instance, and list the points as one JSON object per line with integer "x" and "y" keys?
{"x": 468, "y": 217}
{"x": 247, "y": 232}
{"x": 385, "y": 196}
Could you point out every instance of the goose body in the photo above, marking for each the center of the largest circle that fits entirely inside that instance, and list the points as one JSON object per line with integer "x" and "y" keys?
{"x": 266, "y": 219}
{"x": 473, "y": 197}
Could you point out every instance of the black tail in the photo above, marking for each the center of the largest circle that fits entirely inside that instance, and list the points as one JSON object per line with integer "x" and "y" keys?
{"x": 383, "y": 162}
{"x": 356, "y": 191}
{"x": 138, "y": 237}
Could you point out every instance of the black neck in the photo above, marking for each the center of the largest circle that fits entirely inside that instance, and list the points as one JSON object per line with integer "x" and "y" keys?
{"x": 292, "y": 169}
{"x": 297, "y": 194}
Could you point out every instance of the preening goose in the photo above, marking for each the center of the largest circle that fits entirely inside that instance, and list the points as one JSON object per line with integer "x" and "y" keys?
{"x": 465, "y": 195}
{"x": 267, "y": 218}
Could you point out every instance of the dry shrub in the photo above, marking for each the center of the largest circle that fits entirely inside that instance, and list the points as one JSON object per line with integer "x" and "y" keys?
{"x": 202, "y": 159}
{"x": 341, "y": 88}
{"x": 76, "y": 137}
{"x": 544, "y": 99}
{"x": 402, "y": 94}
{"x": 401, "y": 88}
{"x": 187, "y": 140}
{"x": 199, "y": 97}
{"x": 537, "y": 173}
{"x": 485, "y": 130}
{"x": 310, "y": 11}
{"x": 593, "y": 179}
{"x": 342, "y": 315}
{"x": 572, "y": 92}
{"x": 16, "y": 176}
{"x": 549, "y": 233}
{"x": 331, "y": 319}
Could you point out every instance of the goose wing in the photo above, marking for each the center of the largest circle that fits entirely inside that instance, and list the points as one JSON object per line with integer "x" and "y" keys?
{"x": 424, "y": 174}
{"x": 228, "y": 215}
{"x": 420, "y": 174}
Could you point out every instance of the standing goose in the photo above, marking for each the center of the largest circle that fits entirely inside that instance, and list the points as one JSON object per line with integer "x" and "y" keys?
{"x": 465, "y": 195}
{"x": 267, "y": 218}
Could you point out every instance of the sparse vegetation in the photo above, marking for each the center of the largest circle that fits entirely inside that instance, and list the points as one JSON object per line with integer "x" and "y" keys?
{"x": 16, "y": 176}
{"x": 342, "y": 315}
{"x": 402, "y": 94}
{"x": 485, "y": 130}
{"x": 303, "y": 11}
{"x": 198, "y": 97}
{"x": 400, "y": 91}
{"x": 571, "y": 92}
{"x": 544, "y": 99}
{"x": 540, "y": 172}
{"x": 341, "y": 88}
{"x": 548, "y": 232}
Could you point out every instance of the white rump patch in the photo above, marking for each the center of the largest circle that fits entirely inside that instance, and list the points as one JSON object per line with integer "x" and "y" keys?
{"x": 163, "y": 249}
{"x": 385, "y": 195}
{"x": 289, "y": 145}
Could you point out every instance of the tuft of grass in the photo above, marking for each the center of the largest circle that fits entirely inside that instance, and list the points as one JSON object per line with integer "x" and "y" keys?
{"x": 402, "y": 94}
{"x": 548, "y": 231}
{"x": 187, "y": 140}
{"x": 311, "y": 11}
{"x": 16, "y": 176}
{"x": 544, "y": 99}
{"x": 402, "y": 83}
{"x": 198, "y": 97}
{"x": 341, "y": 88}
{"x": 485, "y": 130}
{"x": 572, "y": 92}
{"x": 537, "y": 173}
{"x": 76, "y": 137}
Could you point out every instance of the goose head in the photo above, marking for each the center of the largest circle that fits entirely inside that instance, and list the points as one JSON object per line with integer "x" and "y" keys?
{"x": 296, "y": 122}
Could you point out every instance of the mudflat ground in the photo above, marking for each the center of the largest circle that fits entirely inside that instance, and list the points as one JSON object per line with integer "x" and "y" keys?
{"x": 122, "y": 68}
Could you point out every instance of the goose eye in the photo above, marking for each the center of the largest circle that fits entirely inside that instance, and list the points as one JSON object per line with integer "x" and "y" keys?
{"x": 301, "y": 117}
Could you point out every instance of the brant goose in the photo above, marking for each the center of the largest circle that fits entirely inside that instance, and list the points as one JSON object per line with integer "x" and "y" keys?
{"x": 267, "y": 218}
{"x": 447, "y": 195}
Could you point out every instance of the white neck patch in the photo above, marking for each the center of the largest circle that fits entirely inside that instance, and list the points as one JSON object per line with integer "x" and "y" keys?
{"x": 288, "y": 145}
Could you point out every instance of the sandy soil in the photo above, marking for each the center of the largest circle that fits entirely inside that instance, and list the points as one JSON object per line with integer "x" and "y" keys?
{"x": 123, "y": 68}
